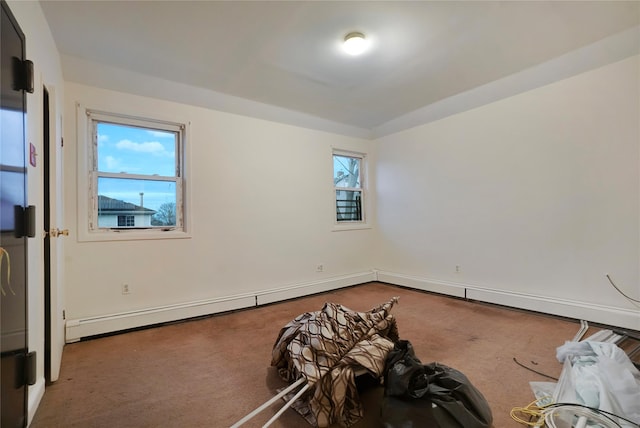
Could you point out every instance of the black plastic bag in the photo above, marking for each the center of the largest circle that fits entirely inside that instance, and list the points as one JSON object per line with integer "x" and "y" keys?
{"x": 431, "y": 395}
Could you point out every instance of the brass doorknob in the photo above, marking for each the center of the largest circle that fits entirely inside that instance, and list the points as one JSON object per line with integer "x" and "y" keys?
{"x": 57, "y": 232}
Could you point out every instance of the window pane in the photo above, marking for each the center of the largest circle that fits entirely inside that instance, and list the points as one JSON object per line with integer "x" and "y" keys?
{"x": 12, "y": 191}
{"x": 126, "y": 221}
{"x": 147, "y": 202}
{"x": 136, "y": 150}
{"x": 12, "y": 121}
{"x": 346, "y": 171}
{"x": 348, "y": 205}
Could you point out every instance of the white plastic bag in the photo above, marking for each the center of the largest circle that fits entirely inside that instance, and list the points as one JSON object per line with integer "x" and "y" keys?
{"x": 599, "y": 375}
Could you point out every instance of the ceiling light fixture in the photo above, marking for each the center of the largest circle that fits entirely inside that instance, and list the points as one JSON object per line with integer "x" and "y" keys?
{"x": 355, "y": 43}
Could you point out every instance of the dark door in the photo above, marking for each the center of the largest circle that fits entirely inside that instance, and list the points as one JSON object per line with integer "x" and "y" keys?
{"x": 13, "y": 269}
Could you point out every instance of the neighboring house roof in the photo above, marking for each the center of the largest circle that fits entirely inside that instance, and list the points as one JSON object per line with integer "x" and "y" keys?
{"x": 110, "y": 205}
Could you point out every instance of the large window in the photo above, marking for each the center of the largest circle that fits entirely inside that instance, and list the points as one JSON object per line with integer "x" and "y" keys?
{"x": 135, "y": 174}
{"x": 348, "y": 186}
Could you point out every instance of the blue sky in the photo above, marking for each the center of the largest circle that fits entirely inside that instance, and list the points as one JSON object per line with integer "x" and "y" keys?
{"x": 135, "y": 150}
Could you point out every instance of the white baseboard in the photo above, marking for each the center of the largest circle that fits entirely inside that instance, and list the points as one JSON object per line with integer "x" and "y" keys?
{"x": 442, "y": 287}
{"x": 76, "y": 329}
{"x": 86, "y": 327}
{"x": 35, "y": 394}
{"x": 305, "y": 289}
{"x": 618, "y": 317}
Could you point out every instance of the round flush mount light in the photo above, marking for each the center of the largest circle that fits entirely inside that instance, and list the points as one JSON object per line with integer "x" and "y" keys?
{"x": 355, "y": 43}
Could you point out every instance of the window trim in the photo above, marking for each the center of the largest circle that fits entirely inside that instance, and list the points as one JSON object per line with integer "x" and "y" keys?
{"x": 364, "y": 199}
{"x": 87, "y": 175}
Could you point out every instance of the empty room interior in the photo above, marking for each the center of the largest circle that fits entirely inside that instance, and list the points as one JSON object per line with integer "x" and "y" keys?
{"x": 198, "y": 160}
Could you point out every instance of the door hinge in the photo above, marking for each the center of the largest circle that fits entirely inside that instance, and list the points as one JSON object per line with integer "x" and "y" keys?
{"x": 25, "y": 221}
{"x": 23, "y": 75}
{"x": 30, "y": 368}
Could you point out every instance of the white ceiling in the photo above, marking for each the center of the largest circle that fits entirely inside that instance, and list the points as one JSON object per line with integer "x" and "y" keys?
{"x": 287, "y": 54}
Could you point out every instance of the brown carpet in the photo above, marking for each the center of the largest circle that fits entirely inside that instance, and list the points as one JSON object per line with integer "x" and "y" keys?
{"x": 211, "y": 372}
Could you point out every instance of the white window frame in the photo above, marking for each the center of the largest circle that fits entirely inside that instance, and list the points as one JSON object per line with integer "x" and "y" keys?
{"x": 364, "y": 205}
{"x": 88, "y": 230}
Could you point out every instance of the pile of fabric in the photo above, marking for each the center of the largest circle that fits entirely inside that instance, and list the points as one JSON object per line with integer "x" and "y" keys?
{"x": 328, "y": 348}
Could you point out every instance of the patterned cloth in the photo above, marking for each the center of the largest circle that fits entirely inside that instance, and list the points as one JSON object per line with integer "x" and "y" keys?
{"x": 326, "y": 348}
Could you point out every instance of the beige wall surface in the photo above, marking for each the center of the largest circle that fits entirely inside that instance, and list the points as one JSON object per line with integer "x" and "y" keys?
{"x": 535, "y": 194}
{"x": 260, "y": 213}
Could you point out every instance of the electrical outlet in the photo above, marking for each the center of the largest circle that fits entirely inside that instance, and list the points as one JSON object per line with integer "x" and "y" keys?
{"x": 126, "y": 289}
{"x": 319, "y": 268}
{"x": 457, "y": 268}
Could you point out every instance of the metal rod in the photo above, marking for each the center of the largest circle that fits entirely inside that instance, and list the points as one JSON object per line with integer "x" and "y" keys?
{"x": 269, "y": 402}
{"x": 601, "y": 336}
{"x": 634, "y": 351}
{"x": 286, "y": 406}
{"x": 615, "y": 339}
{"x": 584, "y": 326}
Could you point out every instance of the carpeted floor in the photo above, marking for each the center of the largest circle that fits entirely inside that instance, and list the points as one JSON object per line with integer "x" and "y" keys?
{"x": 211, "y": 372}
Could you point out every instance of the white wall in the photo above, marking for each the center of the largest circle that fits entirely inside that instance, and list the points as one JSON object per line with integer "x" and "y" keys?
{"x": 261, "y": 218}
{"x": 534, "y": 197}
{"x": 41, "y": 49}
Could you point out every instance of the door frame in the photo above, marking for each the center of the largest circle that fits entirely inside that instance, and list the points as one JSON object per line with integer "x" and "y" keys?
{"x": 53, "y": 197}
{"x": 46, "y": 137}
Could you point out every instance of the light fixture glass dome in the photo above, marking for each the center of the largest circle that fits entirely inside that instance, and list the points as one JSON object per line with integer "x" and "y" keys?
{"x": 355, "y": 43}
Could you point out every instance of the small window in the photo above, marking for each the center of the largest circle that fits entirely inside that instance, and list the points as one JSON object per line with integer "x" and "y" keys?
{"x": 348, "y": 186}
{"x": 126, "y": 221}
{"x": 136, "y": 173}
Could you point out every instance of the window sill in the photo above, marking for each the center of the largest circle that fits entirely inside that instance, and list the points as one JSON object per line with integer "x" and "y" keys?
{"x": 351, "y": 226}
{"x": 131, "y": 235}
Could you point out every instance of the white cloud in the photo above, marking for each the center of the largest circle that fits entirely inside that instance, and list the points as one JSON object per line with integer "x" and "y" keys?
{"x": 161, "y": 134}
{"x": 103, "y": 138}
{"x": 151, "y": 147}
{"x": 111, "y": 162}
